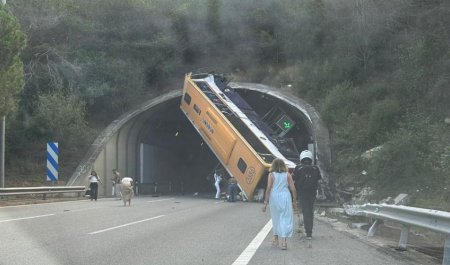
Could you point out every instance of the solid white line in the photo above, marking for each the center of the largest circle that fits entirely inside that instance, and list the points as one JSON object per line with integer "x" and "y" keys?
{"x": 25, "y": 218}
{"x": 120, "y": 226}
{"x": 160, "y": 200}
{"x": 248, "y": 253}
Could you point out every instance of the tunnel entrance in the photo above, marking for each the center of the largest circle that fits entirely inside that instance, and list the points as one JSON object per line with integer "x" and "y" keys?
{"x": 172, "y": 154}
{"x": 174, "y": 158}
{"x": 156, "y": 145}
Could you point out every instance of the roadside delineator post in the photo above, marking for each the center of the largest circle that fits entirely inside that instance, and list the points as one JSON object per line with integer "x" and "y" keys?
{"x": 52, "y": 162}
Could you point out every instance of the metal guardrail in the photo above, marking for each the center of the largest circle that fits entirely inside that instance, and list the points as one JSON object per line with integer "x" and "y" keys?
{"x": 434, "y": 220}
{"x": 41, "y": 190}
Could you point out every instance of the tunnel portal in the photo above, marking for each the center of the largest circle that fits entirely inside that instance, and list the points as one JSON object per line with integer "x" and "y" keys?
{"x": 156, "y": 145}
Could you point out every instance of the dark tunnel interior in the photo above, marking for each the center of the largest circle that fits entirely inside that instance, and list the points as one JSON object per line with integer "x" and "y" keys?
{"x": 175, "y": 157}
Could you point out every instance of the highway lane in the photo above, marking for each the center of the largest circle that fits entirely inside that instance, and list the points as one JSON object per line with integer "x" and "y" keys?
{"x": 167, "y": 230}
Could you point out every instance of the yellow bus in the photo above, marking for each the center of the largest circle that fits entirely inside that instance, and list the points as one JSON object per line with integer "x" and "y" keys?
{"x": 241, "y": 147}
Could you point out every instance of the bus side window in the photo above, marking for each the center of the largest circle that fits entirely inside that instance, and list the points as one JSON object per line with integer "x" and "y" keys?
{"x": 242, "y": 165}
{"x": 187, "y": 98}
{"x": 197, "y": 109}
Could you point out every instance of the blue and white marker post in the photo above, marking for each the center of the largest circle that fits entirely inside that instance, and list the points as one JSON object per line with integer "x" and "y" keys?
{"x": 52, "y": 162}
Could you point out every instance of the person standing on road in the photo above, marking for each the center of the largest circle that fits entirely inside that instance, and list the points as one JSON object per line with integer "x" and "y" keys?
{"x": 232, "y": 189}
{"x": 280, "y": 186}
{"x": 127, "y": 190}
{"x": 217, "y": 179}
{"x": 116, "y": 183}
{"x": 94, "y": 179}
{"x": 307, "y": 177}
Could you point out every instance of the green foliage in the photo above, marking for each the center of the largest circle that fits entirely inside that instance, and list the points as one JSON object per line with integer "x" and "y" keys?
{"x": 60, "y": 118}
{"x": 413, "y": 159}
{"x": 444, "y": 161}
{"x": 12, "y": 42}
{"x": 11, "y": 84}
{"x": 383, "y": 119}
{"x": 340, "y": 102}
{"x": 400, "y": 163}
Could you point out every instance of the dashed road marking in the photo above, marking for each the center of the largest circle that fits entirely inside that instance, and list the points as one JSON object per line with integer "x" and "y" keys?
{"x": 120, "y": 226}
{"x": 26, "y": 218}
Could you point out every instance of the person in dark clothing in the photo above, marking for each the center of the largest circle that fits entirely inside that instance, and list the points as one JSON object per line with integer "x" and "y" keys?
{"x": 306, "y": 177}
{"x": 232, "y": 189}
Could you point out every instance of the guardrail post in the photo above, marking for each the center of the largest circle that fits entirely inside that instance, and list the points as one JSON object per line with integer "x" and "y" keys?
{"x": 403, "y": 237}
{"x": 446, "y": 259}
{"x": 44, "y": 196}
{"x": 373, "y": 229}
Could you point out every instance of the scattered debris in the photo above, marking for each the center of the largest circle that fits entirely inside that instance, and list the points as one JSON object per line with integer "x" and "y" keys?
{"x": 364, "y": 226}
{"x": 402, "y": 199}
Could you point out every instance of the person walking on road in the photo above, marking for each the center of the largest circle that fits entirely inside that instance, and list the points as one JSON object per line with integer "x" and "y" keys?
{"x": 307, "y": 177}
{"x": 94, "y": 179}
{"x": 280, "y": 186}
{"x": 116, "y": 184}
{"x": 217, "y": 179}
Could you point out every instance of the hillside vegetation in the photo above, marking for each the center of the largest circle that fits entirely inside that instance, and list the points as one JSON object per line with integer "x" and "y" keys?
{"x": 378, "y": 72}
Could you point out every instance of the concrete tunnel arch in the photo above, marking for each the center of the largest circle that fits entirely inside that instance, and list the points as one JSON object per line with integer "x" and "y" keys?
{"x": 156, "y": 144}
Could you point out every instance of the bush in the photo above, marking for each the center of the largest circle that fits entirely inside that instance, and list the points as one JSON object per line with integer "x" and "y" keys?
{"x": 383, "y": 119}
{"x": 340, "y": 102}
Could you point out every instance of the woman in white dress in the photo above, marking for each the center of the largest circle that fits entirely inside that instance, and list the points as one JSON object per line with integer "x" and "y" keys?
{"x": 280, "y": 201}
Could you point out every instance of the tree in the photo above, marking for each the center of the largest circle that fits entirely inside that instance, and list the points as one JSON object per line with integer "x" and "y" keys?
{"x": 12, "y": 42}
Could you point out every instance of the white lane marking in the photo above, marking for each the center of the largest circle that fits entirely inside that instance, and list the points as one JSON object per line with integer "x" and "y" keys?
{"x": 120, "y": 226}
{"x": 160, "y": 200}
{"x": 25, "y": 218}
{"x": 251, "y": 249}
{"x": 36, "y": 204}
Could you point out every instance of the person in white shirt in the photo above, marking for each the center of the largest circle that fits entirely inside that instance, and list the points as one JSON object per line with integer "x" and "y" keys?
{"x": 94, "y": 179}
{"x": 217, "y": 179}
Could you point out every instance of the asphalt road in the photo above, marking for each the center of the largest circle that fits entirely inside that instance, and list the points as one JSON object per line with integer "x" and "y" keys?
{"x": 170, "y": 230}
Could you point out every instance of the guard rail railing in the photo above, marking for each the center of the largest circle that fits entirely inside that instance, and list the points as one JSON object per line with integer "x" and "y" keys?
{"x": 41, "y": 190}
{"x": 438, "y": 221}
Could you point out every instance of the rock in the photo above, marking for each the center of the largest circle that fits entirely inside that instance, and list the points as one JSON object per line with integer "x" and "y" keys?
{"x": 401, "y": 199}
{"x": 336, "y": 210}
{"x": 359, "y": 225}
{"x": 447, "y": 121}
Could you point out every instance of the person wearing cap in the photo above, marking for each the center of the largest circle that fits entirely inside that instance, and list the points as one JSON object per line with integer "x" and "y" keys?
{"x": 306, "y": 177}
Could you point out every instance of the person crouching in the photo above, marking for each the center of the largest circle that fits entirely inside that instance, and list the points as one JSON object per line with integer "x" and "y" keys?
{"x": 127, "y": 190}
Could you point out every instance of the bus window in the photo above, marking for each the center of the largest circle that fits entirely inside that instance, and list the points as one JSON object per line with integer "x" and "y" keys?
{"x": 187, "y": 98}
{"x": 197, "y": 109}
{"x": 242, "y": 165}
